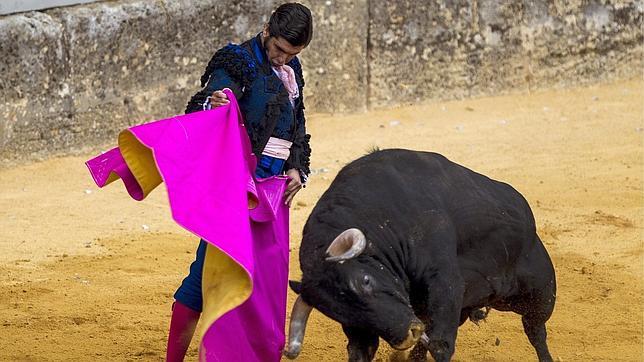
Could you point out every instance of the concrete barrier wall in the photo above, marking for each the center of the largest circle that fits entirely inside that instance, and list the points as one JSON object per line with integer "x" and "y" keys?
{"x": 74, "y": 76}
{"x": 451, "y": 49}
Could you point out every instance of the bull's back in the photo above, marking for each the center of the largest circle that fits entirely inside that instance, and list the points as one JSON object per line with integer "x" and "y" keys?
{"x": 409, "y": 185}
{"x": 422, "y": 177}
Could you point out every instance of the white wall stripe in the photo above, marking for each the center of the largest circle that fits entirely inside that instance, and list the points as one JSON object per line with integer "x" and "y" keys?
{"x": 17, "y": 6}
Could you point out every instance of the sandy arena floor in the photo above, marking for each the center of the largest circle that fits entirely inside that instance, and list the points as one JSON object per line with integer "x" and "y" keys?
{"x": 88, "y": 274}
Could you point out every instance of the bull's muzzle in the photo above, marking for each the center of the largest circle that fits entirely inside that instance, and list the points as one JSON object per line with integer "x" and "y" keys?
{"x": 415, "y": 331}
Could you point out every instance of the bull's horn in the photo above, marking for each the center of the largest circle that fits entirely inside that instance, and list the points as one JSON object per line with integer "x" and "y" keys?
{"x": 297, "y": 327}
{"x": 349, "y": 244}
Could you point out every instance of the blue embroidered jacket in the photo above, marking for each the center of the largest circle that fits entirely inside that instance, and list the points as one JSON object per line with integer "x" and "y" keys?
{"x": 262, "y": 98}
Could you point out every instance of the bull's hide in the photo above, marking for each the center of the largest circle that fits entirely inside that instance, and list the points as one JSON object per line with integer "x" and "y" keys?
{"x": 205, "y": 160}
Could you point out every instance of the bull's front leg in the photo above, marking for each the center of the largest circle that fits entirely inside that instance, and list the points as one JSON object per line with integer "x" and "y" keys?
{"x": 443, "y": 311}
{"x": 362, "y": 345}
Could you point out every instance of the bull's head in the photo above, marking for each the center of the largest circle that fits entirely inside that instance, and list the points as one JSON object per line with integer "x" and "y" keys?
{"x": 356, "y": 290}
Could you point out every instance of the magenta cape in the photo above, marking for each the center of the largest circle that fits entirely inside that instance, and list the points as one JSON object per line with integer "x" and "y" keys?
{"x": 206, "y": 162}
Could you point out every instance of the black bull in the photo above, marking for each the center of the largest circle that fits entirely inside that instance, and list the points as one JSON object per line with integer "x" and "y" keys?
{"x": 408, "y": 245}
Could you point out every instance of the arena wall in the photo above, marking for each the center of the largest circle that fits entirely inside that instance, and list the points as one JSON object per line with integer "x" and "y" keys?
{"x": 73, "y": 77}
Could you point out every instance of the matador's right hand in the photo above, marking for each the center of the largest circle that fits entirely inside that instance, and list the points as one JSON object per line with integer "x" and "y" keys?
{"x": 219, "y": 98}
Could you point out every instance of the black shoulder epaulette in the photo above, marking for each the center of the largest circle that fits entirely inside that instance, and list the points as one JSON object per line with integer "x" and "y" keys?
{"x": 236, "y": 61}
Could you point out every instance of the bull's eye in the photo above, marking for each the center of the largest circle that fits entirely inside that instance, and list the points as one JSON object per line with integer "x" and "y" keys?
{"x": 367, "y": 283}
{"x": 366, "y": 280}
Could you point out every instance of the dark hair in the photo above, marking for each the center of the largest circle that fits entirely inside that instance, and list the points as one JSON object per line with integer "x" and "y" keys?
{"x": 293, "y": 22}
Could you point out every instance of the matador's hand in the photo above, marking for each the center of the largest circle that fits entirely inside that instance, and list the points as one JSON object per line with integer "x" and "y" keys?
{"x": 219, "y": 98}
{"x": 293, "y": 187}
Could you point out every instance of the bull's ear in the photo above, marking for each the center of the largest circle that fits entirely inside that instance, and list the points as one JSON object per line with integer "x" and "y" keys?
{"x": 295, "y": 286}
{"x": 349, "y": 244}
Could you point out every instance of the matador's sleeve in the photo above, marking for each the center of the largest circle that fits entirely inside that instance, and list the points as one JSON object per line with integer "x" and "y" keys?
{"x": 231, "y": 67}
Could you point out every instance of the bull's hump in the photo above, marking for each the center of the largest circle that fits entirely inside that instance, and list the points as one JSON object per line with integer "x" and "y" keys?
{"x": 400, "y": 157}
{"x": 385, "y": 167}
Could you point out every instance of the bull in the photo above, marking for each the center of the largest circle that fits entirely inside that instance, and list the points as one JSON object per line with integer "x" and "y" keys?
{"x": 407, "y": 246}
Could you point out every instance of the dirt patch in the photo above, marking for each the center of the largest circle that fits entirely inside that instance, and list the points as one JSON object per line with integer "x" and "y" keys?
{"x": 89, "y": 274}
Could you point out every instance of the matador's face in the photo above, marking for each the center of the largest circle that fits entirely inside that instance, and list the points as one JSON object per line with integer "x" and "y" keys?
{"x": 279, "y": 50}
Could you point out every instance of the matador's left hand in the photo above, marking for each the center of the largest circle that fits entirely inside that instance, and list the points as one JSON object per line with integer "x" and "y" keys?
{"x": 293, "y": 187}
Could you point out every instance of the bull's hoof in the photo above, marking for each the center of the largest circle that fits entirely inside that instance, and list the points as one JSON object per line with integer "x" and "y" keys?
{"x": 478, "y": 315}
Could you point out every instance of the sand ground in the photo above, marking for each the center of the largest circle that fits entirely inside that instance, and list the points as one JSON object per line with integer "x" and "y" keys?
{"x": 88, "y": 274}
